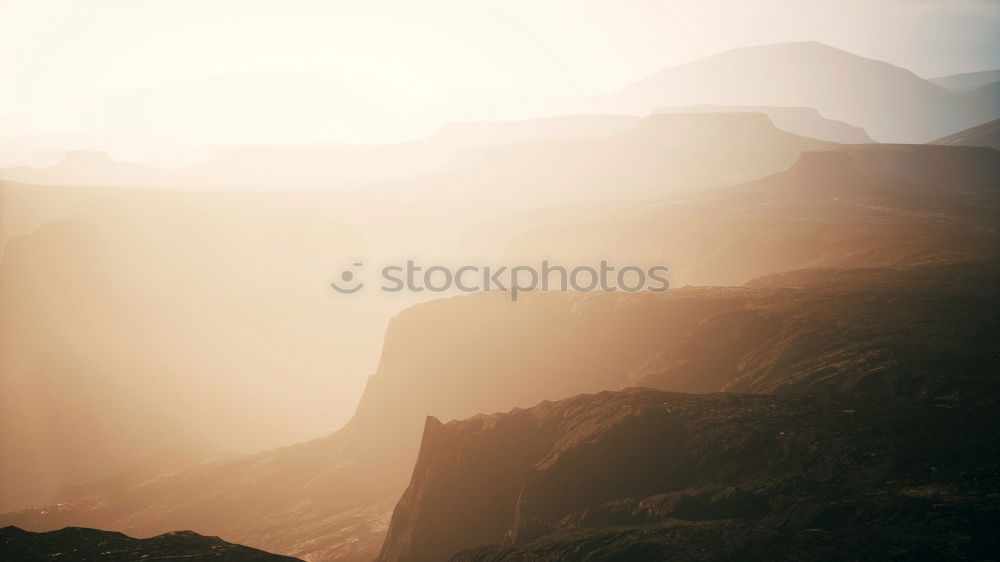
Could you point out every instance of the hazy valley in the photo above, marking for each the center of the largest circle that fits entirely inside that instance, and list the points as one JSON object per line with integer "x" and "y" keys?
{"x": 820, "y": 378}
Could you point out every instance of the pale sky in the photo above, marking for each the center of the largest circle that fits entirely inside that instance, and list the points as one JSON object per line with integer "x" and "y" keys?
{"x": 375, "y": 71}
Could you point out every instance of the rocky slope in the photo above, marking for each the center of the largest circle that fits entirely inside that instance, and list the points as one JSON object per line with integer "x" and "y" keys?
{"x": 872, "y": 331}
{"x": 826, "y": 331}
{"x": 862, "y": 206}
{"x": 649, "y": 475}
{"x": 76, "y": 543}
{"x": 871, "y": 394}
{"x": 877, "y": 332}
{"x": 331, "y": 498}
{"x": 987, "y": 134}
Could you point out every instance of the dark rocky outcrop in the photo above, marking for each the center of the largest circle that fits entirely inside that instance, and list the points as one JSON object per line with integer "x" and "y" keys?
{"x": 649, "y": 475}
{"x": 880, "y": 332}
{"x": 80, "y": 544}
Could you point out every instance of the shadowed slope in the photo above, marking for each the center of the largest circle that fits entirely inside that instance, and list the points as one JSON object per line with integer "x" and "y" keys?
{"x": 647, "y": 475}
{"x": 75, "y": 543}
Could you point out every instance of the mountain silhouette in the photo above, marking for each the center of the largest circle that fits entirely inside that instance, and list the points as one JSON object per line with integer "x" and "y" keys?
{"x": 892, "y": 104}
{"x": 804, "y": 121}
{"x": 968, "y": 81}
{"x": 987, "y": 134}
{"x": 76, "y": 543}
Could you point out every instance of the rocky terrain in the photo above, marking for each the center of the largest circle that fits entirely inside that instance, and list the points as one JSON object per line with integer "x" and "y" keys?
{"x": 828, "y": 331}
{"x": 929, "y": 212}
{"x": 648, "y": 475}
{"x": 987, "y": 134}
{"x": 331, "y": 498}
{"x": 849, "y": 425}
{"x": 76, "y": 543}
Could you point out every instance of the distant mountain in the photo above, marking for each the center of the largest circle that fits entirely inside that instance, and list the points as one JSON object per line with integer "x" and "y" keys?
{"x": 552, "y": 158}
{"x": 968, "y": 81}
{"x": 666, "y": 153}
{"x": 79, "y": 544}
{"x": 987, "y": 134}
{"x": 647, "y": 475}
{"x": 318, "y": 166}
{"x": 892, "y": 104}
{"x": 804, "y": 121}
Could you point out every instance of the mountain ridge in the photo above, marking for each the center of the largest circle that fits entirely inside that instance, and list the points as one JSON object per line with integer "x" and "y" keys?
{"x": 837, "y": 83}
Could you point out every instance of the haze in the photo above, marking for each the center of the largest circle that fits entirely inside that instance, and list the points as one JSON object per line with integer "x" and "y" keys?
{"x": 229, "y": 72}
{"x": 182, "y": 182}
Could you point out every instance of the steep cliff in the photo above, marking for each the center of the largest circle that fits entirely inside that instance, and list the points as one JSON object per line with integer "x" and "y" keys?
{"x": 331, "y": 498}
{"x": 649, "y": 475}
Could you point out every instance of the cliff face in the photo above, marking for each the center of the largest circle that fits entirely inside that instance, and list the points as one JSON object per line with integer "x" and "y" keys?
{"x": 461, "y": 356}
{"x": 331, "y": 498}
{"x": 864, "y": 384}
{"x": 880, "y": 332}
{"x": 874, "y": 331}
{"x": 648, "y": 475}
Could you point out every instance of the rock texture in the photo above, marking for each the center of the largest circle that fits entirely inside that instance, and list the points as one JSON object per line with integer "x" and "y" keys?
{"x": 77, "y": 543}
{"x": 648, "y": 475}
{"x": 881, "y": 332}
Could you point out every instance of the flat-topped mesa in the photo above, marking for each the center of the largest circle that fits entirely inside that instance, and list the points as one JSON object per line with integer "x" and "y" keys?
{"x": 805, "y": 121}
{"x": 826, "y": 171}
{"x": 940, "y": 166}
{"x": 889, "y": 169}
{"x": 695, "y": 129}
